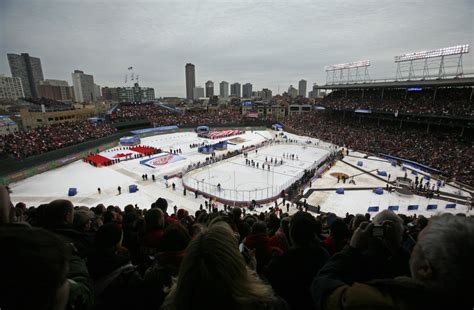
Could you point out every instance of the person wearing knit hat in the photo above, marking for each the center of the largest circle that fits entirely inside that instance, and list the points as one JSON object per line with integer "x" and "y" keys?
{"x": 181, "y": 213}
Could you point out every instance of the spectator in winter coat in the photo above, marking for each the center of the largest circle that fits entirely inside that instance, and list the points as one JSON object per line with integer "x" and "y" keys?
{"x": 213, "y": 275}
{"x": 261, "y": 242}
{"x": 440, "y": 264}
{"x": 291, "y": 274}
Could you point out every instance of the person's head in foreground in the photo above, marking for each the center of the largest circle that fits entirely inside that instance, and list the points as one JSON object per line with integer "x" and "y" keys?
{"x": 34, "y": 268}
{"x": 213, "y": 275}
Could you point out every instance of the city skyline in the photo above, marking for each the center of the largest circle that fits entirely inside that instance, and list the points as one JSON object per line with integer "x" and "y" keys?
{"x": 270, "y": 48}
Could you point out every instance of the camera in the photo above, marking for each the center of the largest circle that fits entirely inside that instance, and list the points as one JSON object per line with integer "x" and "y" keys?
{"x": 378, "y": 231}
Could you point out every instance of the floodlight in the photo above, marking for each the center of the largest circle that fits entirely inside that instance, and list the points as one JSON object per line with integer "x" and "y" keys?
{"x": 350, "y": 65}
{"x": 447, "y": 51}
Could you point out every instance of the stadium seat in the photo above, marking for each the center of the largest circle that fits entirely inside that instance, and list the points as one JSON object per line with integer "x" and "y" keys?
{"x": 373, "y": 209}
{"x": 412, "y": 207}
{"x": 72, "y": 191}
{"x": 432, "y": 207}
{"x": 132, "y": 188}
{"x": 382, "y": 173}
{"x": 393, "y": 208}
{"x": 340, "y": 191}
{"x": 450, "y": 206}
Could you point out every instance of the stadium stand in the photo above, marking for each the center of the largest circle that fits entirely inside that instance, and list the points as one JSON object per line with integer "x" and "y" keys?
{"x": 75, "y": 257}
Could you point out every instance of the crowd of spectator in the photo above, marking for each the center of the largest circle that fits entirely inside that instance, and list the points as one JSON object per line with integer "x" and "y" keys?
{"x": 36, "y": 141}
{"x": 160, "y": 116}
{"x": 61, "y": 256}
{"x": 448, "y": 101}
{"x": 441, "y": 149}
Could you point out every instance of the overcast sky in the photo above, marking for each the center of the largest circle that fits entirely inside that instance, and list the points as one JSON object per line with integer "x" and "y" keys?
{"x": 267, "y": 43}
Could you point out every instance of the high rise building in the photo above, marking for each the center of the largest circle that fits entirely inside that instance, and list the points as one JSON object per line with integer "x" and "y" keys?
{"x": 198, "y": 92}
{"x": 224, "y": 89}
{"x": 315, "y": 92}
{"x": 56, "y": 89}
{"x": 84, "y": 90}
{"x": 302, "y": 88}
{"x": 97, "y": 91}
{"x": 266, "y": 94}
{"x": 29, "y": 70}
{"x": 209, "y": 89}
{"x": 235, "y": 90}
{"x": 11, "y": 88}
{"x": 190, "y": 80}
{"x": 247, "y": 90}
{"x": 292, "y": 92}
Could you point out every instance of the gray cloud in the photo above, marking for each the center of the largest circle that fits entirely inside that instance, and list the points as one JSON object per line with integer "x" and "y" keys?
{"x": 267, "y": 43}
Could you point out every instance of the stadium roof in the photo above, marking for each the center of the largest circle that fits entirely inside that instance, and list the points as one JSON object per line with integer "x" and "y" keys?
{"x": 469, "y": 81}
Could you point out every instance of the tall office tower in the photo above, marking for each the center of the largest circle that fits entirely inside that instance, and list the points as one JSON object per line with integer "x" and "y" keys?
{"x": 198, "y": 92}
{"x": 266, "y": 94}
{"x": 209, "y": 89}
{"x": 84, "y": 89}
{"x": 29, "y": 70}
{"x": 302, "y": 88}
{"x": 247, "y": 90}
{"x": 224, "y": 89}
{"x": 292, "y": 92}
{"x": 11, "y": 88}
{"x": 315, "y": 92}
{"x": 190, "y": 80}
{"x": 235, "y": 90}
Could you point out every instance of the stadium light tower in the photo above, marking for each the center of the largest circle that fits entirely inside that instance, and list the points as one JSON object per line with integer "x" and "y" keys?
{"x": 424, "y": 56}
{"x": 348, "y": 72}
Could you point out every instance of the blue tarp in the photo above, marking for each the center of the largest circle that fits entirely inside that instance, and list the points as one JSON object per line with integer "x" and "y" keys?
{"x": 155, "y": 129}
{"x": 277, "y": 127}
{"x": 340, "y": 191}
{"x": 132, "y": 188}
{"x": 360, "y": 163}
{"x": 382, "y": 173}
{"x": 378, "y": 191}
{"x": 206, "y": 149}
{"x": 202, "y": 129}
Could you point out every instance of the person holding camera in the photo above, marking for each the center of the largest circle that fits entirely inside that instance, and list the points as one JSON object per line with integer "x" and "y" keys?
{"x": 440, "y": 266}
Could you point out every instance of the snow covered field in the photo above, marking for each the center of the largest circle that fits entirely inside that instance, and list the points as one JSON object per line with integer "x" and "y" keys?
{"x": 54, "y": 184}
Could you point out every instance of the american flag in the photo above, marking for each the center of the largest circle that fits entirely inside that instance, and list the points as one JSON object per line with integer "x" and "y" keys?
{"x": 223, "y": 133}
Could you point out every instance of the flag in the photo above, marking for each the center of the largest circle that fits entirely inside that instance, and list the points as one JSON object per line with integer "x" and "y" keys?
{"x": 130, "y": 68}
